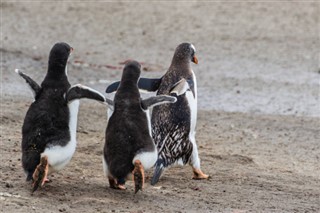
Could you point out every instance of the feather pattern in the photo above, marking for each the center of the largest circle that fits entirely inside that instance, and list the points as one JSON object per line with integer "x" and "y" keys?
{"x": 173, "y": 125}
{"x": 170, "y": 130}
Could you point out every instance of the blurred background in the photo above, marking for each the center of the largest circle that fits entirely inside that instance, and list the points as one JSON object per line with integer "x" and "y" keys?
{"x": 260, "y": 58}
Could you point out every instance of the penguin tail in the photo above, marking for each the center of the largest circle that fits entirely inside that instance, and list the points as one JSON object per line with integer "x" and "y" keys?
{"x": 30, "y": 159}
{"x": 157, "y": 172}
{"x": 138, "y": 176}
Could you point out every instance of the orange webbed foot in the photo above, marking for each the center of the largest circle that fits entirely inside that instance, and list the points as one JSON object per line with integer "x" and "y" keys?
{"x": 40, "y": 174}
{"x": 114, "y": 184}
{"x": 138, "y": 176}
{"x": 199, "y": 175}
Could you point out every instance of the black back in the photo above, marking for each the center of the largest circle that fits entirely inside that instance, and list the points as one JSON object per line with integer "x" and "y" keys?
{"x": 47, "y": 120}
{"x": 174, "y": 119}
{"x": 127, "y": 133}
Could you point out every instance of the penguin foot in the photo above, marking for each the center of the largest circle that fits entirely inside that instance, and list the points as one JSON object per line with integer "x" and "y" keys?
{"x": 138, "y": 176}
{"x": 40, "y": 174}
{"x": 115, "y": 185}
{"x": 199, "y": 175}
{"x": 121, "y": 187}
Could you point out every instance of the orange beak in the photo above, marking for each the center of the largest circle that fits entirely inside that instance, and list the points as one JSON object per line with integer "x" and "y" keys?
{"x": 195, "y": 60}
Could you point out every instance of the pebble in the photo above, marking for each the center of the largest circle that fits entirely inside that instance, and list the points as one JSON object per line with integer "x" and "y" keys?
{"x": 9, "y": 185}
{"x": 6, "y": 194}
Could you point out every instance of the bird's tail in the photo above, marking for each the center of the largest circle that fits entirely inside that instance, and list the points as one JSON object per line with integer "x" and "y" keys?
{"x": 157, "y": 172}
{"x": 30, "y": 160}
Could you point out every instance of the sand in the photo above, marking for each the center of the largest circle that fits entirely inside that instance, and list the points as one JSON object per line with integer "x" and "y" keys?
{"x": 258, "y": 84}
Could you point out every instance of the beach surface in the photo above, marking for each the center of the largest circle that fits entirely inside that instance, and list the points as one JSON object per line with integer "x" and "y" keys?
{"x": 258, "y": 101}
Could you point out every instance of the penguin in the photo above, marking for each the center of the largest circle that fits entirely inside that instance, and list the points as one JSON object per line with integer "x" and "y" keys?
{"x": 129, "y": 147}
{"x": 49, "y": 127}
{"x": 173, "y": 126}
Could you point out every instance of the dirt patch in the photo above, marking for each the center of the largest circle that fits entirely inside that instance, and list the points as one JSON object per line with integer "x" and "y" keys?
{"x": 254, "y": 165}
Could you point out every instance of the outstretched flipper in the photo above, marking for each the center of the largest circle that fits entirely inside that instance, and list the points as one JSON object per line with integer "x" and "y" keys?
{"x": 182, "y": 86}
{"x": 35, "y": 88}
{"x": 113, "y": 87}
{"x": 157, "y": 100}
{"x": 40, "y": 174}
{"x": 149, "y": 84}
{"x": 79, "y": 91}
{"x": 159, "y": 168}
{"x": 138, "y": 176}
{"x": 146, "y": 84}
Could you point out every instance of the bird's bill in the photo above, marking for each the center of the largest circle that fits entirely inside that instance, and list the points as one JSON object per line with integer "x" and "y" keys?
{"x": 195, "y": 60}
{"x": 71, "y": 50}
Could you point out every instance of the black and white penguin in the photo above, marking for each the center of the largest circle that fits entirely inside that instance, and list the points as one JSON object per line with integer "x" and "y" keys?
{"x": 49, "y": 128}
{"x": 173, "y": 126}
{"x": 129, "y": 147}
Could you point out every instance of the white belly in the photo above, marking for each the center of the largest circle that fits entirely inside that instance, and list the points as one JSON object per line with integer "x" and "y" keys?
{"x": 105, "y": 166}
{"x": 59, "y": 156}
{"x": 149, "y": 121}
{"x": 192, "y": 100}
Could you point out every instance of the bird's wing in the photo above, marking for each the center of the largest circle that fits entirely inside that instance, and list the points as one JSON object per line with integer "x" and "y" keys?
{"x": 35, "y": 88}
{"x": 79, "y": 91}
{"x": 157, "y": 100}
{"x": 149, "y": 84}
{"x": 110, "y": 103}
{"x": 181, "y": 87}
{"x": 144, "y": 84}
{"x": 113, "y": 87}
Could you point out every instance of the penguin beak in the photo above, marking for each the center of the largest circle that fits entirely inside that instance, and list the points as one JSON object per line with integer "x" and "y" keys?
{"x": 195, "y": 60}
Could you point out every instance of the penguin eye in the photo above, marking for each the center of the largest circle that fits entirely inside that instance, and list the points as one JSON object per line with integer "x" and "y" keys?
{"x": 192, "y": 53}
{"x": 193, "y": 49}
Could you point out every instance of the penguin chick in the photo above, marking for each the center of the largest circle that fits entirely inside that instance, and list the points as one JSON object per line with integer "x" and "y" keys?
{"x": 129, "y": 147}
{"x": 49, "y": 128}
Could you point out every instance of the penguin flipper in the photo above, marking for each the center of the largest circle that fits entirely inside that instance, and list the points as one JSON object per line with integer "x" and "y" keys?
{"x": 113, "y": 87}
{"x": 157, "y": 100}
{"x": 145, "y": 84}
{"x": 110, "y": 103}
{"x": 149, "y": 84}
{"x": 79, "y": 91}
{"x": 181, "y": 87}
{"x": 159, "y": 168}
{"x": 32, "y": 84}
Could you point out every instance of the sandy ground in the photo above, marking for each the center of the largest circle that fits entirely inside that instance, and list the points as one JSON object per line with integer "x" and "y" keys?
{"x": 258, "y": 124}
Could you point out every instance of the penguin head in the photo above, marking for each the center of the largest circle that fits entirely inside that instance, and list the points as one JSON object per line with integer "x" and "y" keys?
{"x": 185, "y": 52}
{"x": 59, "y": 54}
{"x": 131, "y": 71}
{"x": 57, "y": 69}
